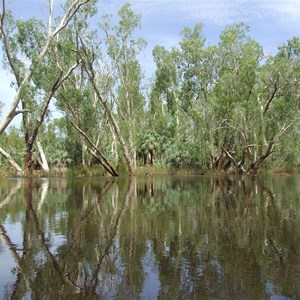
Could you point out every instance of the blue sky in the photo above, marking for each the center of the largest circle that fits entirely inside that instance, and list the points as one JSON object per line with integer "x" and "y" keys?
{"x": 272, "y": 22}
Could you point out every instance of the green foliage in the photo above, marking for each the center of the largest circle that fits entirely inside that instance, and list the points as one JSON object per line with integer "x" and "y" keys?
{"x": 122, "y": 168}
{"x": 30, "y": 37}
{"x": 149, "y": 146}
{"x": 166, "y": 80}
{"x": 77, "y": 171}
{"x": 149, "y": 140}
{"x": 226, "y": 96}
{"x": 58, "y": 144}
{"x": 226, "y": 103}
{"x": 12, "y": 142}
{"x": 177, "y": 155}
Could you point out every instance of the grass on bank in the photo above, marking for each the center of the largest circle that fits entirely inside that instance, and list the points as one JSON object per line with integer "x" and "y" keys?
{"x": 84, "y": 171}
{"x": 97, "y": 170}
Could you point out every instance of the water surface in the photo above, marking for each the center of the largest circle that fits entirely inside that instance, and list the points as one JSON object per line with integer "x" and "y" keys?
{"x": 150, "y": 238}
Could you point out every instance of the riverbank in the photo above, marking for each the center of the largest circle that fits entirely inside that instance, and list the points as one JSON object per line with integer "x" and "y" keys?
{"x": 84, "y": 171}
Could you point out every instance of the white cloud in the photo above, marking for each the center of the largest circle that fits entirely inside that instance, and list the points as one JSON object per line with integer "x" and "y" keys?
{"x": 219, "y": 12}
{"x": 287, "y": 11}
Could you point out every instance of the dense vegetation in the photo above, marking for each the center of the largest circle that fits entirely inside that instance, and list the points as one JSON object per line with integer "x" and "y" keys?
{"x": 228, "y": 107}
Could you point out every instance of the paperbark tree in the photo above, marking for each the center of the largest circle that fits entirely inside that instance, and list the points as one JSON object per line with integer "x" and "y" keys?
{"x": 278, "y": 102}
{"x": 78, "y": 102}
{"x": 116, "y": 78}
{"x": 26, "y": 47}
{"x": 239, "y": 104}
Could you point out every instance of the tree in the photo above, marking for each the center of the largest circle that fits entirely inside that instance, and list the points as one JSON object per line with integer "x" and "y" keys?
{"x": 278, "y": 99}
{"x": 235, "y": 92}
{"x": 77, "y": 100}
{"x": 149, "y": 146}
{"x": 35, "y": 79}
{"x": 13, "y": 142}
{"x": 182, "y": 82}
{"x": 116, "y": 79}
{"x": 233, "y": 105}
{"x": 254, "y": 100}
{"x": 166, "y": 86}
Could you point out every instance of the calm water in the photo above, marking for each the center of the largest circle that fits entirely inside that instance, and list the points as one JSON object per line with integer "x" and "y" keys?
{"x": 150, "y": 238}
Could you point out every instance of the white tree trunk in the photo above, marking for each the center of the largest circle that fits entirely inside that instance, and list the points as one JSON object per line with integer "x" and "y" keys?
{"x": 43, "y": 162}
{"x": 11, "y": 161}
{"x": 73, "y": 8}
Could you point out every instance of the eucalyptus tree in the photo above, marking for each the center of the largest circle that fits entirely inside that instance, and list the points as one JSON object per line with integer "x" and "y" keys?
{"x": 124, "y": 76}
{"x": 255, "y": 100}
{"x": 166, "y": 85}
{"x": 27, "y": 44}
{"x": 233, "y": 104}
{"x": 183, "y": 80}
{"x": 197, "y": 72}
{"x": 76, "y": 98}
{"x": 167, "y": 113}
{"x": 278, "y": 102}
{"x": 13, "y": 142}
{"x": 114, "y": 71}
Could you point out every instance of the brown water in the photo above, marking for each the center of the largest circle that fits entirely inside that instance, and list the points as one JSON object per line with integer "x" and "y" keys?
{"x": 150, "y": 238}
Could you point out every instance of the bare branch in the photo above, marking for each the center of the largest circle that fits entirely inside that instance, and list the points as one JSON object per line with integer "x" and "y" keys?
{"x": 22, "y": 111}
{"x": 271, "y": 98}
{"x": 103, "y": 160}
{"x": 284, "y": 129}
{"x": 236, "y": 164}
{"x": 75, "y": 6}
{"x": 50, "y": 16}
{"x": 2, "y": 16}
{"x": 43, "y": 161}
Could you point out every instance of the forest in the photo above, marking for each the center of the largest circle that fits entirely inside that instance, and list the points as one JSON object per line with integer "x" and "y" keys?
{"x": 228, "y": 107}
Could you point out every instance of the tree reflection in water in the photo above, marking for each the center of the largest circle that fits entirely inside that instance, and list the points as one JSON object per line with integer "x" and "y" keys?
{"x": 152, "y": 238}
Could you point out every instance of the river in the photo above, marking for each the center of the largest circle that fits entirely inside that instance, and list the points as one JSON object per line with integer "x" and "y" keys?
{"x": 191, "y": 237}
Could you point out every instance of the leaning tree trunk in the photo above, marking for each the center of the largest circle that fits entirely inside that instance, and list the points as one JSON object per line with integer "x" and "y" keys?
{"x": 32, "y": 127}
{"x": 11, "y": 161}
{"x": 96, "y": 152}
{"x": 237, "y": 165}
{"x": 129, "y": 154}
{"x": 255, "y": 165}
{"x": 43, "y": 161}
{"x": 13, "y": 63}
